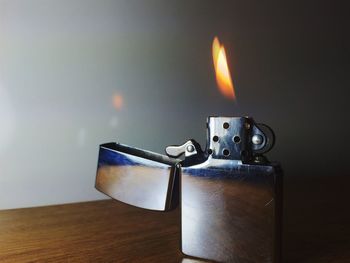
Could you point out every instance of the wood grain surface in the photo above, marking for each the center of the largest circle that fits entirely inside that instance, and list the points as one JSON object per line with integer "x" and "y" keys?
{"x": 316, "y": 229}
{"x": 101, "y": 231}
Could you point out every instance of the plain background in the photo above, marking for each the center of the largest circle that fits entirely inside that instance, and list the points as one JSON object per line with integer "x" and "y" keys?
{"x": 63, "y": 62}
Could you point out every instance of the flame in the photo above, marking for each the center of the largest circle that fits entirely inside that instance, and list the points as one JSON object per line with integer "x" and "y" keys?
{"x": 222, "y": 72}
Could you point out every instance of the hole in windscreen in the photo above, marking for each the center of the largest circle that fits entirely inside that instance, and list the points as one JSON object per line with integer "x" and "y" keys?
{"x": 226, "y": 152}
{"x": 236, "y": 139}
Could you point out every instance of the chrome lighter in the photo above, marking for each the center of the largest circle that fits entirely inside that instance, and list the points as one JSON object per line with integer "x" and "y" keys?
{"x": 230, "y": 194}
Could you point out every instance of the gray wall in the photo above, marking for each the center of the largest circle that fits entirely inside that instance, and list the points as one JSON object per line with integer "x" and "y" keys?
{"x": 61, "y": 63}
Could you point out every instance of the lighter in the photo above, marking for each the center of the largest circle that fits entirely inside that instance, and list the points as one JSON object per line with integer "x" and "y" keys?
{"x": 230, "y": 194}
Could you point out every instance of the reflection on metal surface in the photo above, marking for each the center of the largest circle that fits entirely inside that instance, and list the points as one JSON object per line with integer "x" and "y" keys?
{"x": 228, "y": 212}
{"x": 135, "y": 180}
{"x": 191, "y": 260}
{"x": 230, "y": 193}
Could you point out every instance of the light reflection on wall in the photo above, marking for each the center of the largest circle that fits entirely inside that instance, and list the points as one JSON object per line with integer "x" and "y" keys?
{"x": 118, "y": 101}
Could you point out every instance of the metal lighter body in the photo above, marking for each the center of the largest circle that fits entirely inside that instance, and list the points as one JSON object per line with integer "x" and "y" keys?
{"x": 230, "y": 195}
{"x": 230, "y": 205}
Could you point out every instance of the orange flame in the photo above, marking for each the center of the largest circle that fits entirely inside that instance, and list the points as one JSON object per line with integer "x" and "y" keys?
{"x": 222, "y": 72}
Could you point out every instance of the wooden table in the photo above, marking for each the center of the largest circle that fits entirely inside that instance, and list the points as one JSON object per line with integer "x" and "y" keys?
{"x": 316, "y": 229}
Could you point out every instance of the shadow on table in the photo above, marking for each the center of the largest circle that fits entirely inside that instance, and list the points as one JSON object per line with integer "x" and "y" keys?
{"x": 316, "y": 219}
